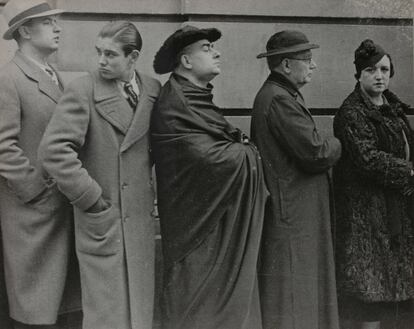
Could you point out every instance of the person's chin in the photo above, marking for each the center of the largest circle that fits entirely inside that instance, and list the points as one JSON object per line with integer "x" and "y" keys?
{"x": 217, "y": 71}
{"x": 379, "y": 88}
{"x": 105, "y": 74}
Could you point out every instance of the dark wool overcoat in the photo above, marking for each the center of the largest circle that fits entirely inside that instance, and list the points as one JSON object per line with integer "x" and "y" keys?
{"x": 96, "y": 145}
{"x": 36, "y": 230}
{"x": 211, "y": 199}
{"x": 296, "y": 276}
{"x": 375, "y": 246}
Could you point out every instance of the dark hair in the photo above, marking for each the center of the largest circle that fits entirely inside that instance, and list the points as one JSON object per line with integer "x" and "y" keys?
{"x": 125, "y": 33}
{"x": 368, "y": 54}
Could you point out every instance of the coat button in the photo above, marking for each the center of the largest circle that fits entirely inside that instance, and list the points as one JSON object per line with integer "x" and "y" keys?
{"x": 126, "y": 219}
{"x": 124, "y": 186}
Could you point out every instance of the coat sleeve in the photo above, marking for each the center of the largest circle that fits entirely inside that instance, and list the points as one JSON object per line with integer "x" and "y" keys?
{"x": 22, "y": 177}
{"x": 61, "y": 143}
{"x": 360, "y": 142}
{"x": 297, "y": 132}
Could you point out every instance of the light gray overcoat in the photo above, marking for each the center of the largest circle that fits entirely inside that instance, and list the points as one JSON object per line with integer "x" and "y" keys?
{"x": 36, "y": 230}
{"x": 95, "y": 146}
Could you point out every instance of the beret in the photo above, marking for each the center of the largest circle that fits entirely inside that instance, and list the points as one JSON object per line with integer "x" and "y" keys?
{"x": 165, "y": 58}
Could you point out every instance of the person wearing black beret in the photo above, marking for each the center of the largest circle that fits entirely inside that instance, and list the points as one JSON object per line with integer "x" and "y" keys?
{"x": 297, "y": 269}
{"x": 372, "y": 180}
{"x": 211, "y": 194}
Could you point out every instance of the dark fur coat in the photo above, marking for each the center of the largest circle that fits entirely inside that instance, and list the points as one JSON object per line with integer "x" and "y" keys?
{"x": 374, "y": 232}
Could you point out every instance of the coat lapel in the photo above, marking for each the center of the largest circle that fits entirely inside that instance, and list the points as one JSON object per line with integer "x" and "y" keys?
{"x": 140, "y": 123}
{"x": 31, "y": 70}
{"x": 110, "y": 104}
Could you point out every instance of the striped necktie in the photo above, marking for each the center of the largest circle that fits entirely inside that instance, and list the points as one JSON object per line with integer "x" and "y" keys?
{"x": 52, "y": 75}
{"x": 132, "y": 97}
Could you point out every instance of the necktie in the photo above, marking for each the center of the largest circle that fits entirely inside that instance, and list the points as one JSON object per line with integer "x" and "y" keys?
{"x": 132, "y": 96}
{"x": 52, "y": 75}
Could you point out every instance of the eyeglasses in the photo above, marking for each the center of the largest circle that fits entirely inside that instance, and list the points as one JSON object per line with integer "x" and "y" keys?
{"x": 305, "y": 60}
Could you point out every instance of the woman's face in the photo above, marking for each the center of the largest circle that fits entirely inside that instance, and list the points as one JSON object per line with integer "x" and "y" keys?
{"x": 375, "y": 79}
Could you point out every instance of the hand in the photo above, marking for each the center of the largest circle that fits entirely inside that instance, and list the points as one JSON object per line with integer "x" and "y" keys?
{"x": 98, "y": 206}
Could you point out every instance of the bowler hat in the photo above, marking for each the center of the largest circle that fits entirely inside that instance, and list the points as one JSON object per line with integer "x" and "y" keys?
{"x": 18, "y": 12}
{"x": 288, "y": 41}
{"x": 165, "y": 59}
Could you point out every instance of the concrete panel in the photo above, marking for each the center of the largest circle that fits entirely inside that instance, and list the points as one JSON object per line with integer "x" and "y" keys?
{"x": 300, "y": 8}
{"x": 7, "y": 47}
{"x": 323, "y": 123}
{"x": 122, "y": 6}
{"x": 241, "y": 122}
{"x": 77, "y": 50}
{"x": 243, "y": 74}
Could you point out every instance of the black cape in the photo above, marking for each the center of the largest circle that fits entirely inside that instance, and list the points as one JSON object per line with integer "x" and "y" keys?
{"x": 211, "y": 199}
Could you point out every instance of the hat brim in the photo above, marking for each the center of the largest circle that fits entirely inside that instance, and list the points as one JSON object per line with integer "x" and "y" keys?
{"x": 293, "y": 49}
{"x": 164, "y": 60}
{"x": 8, "y": 35}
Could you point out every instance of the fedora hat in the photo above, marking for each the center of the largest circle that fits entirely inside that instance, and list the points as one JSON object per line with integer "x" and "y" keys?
{"x": 17, "y": 12}
{"x": 165, "y": 59}
{"x": 288, "y": 41}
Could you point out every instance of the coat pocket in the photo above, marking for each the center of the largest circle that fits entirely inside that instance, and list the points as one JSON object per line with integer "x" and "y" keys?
{"x": 98, "y": 234}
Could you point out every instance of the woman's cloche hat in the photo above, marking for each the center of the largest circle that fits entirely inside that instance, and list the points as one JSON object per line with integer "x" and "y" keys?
{"x": 17, "y": 12}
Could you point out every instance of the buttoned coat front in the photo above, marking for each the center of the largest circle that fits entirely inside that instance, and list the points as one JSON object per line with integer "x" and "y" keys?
{"x": 95, "y": 146}
{"x": 297, "y": 272}
{"x": 36, "y": 230}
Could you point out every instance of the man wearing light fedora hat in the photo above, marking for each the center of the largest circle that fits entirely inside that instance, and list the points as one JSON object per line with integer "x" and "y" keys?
{"x": 36, "y": 219}
{"x": 296, "y": 273}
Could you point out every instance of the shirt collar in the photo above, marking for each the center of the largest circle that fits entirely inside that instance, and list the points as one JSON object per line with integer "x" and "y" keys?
{"x": 133, "y": 83}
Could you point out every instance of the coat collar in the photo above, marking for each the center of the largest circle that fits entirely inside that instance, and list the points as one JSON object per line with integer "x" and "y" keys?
{"x": 286, "y": 84}
{"x": 283, "y": 82}
{"x": 32, "y": 71}
{"x": 114, "y": 108}
{"x": 394, "y": 107}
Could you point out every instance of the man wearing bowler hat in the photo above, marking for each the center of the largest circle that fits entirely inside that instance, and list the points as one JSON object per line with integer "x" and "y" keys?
{"x": 35, "y": 217}
{"x": 296, "y": 273}
{"x": 211, "y": 194}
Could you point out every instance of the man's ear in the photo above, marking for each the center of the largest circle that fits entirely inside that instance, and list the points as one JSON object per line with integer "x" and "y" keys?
{"x": 185, "y": 61}
{"x": 134, "y": 55}
{"x": 285, "y": 64}
{"x": 24, "y": 32}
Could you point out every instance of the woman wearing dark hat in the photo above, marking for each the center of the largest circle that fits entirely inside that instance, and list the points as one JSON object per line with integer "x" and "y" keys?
{"x": 374, "y": 238}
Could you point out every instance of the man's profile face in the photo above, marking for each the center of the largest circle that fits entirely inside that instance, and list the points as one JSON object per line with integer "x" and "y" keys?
{"x": 112, "y": 62}
{"x": 301, "y": 69}
{"x": 203, "y": 59}
{"x": 44, "y": 33}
